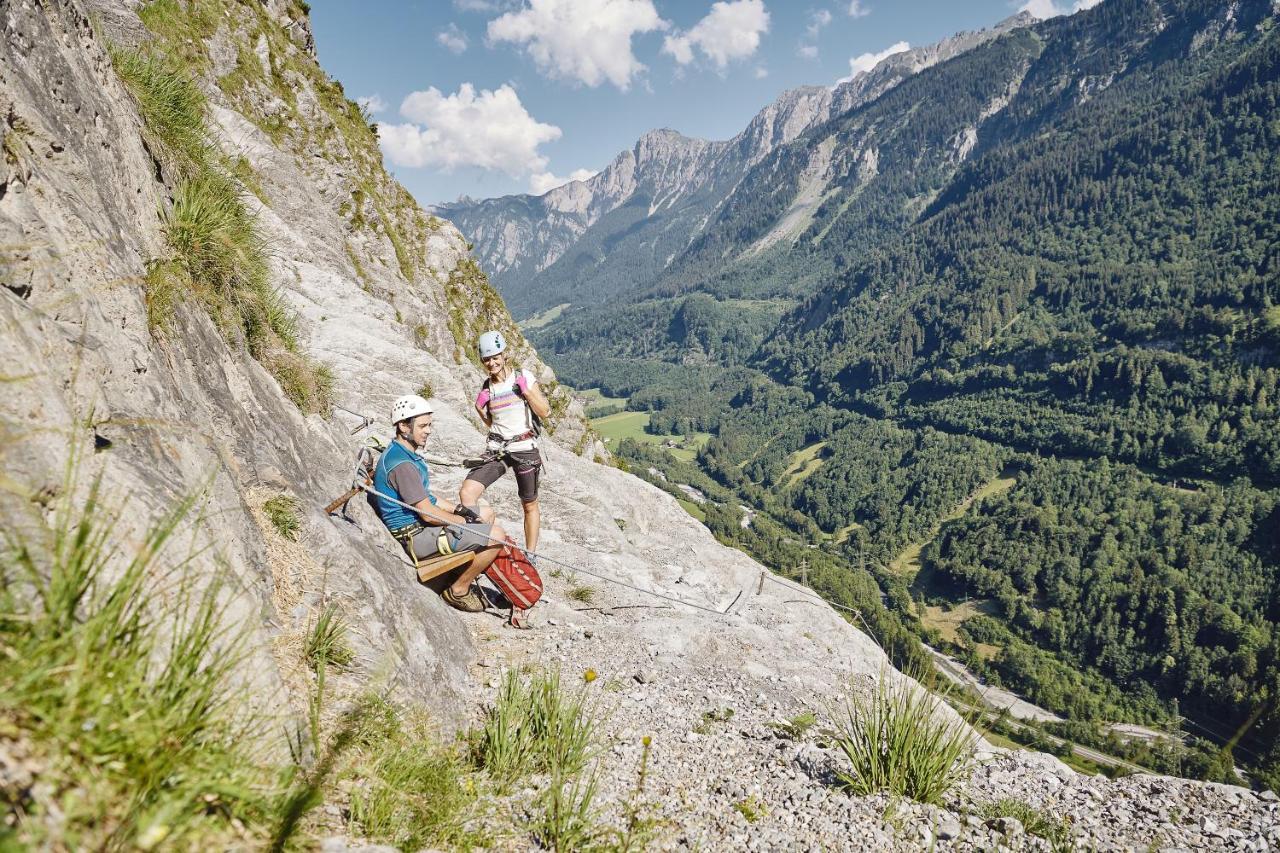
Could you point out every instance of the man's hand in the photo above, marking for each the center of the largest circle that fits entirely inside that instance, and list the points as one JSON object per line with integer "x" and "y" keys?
{"x": 467, "y": 512}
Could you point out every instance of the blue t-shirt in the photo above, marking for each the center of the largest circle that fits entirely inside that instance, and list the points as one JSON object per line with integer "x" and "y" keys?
{"x": 386, "y": 472}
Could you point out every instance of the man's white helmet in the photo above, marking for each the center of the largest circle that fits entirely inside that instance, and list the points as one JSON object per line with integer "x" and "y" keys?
{"x": 409, "y": 406}
{"x": 491, "y": 343}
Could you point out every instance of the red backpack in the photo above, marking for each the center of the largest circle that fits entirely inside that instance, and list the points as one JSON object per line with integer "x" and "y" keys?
{"x": 517, "y": 579}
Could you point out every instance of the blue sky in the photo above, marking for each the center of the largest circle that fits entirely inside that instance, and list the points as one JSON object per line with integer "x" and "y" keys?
{"x": 491, "y": 97}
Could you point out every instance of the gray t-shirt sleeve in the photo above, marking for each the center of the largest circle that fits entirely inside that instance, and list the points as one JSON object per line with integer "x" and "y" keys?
{"x": 407, "y": 482}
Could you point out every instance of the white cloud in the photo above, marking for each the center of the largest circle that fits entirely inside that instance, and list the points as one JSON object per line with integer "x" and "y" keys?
{"x": 856, "y": 9}
{"x": 1043, "y": 9}
{"x": 491, "y": 130}
{"x": 731, "y": 30}
{"x": 584, "y": 40}
{"x": 452, "y": 38}
{"x": 817, "y": 20}
{"x": 480, "y": 5}
{"x": 808, "y": 45}
{"x": 761, "y": 72}
{"x": 545, "y": 182}
{"x": 372, "y": 104}
{"x": 867, "y": 61}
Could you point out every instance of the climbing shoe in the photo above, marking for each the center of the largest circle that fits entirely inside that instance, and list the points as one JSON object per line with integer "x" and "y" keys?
{"x": 469, "y": 603}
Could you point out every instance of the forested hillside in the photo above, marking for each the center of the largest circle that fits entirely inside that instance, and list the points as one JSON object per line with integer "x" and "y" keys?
{"x": 1007, "y": 338}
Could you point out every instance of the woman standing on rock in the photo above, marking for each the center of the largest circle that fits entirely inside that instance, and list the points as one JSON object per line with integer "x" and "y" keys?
{"x": 508, "y": 403}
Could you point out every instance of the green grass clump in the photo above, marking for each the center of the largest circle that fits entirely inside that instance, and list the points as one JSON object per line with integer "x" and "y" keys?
{"x": 535, "y": 726}
{"x": 710, "y": 719}
{"x": 407, "y": 789}
{"x": 327, "y": 643}
{"x": 1056, "y": 831}
{"x": 172, "y": 107}
{"x": 568, "y": 821}
{"x": 752, "y": 808}
{"x": 115, "y": 681}
{"x": 282, "y": 512}
{"x": 796, "y": 727}
{"x": 582, "y": 593}
{"x": 897, "y": 741}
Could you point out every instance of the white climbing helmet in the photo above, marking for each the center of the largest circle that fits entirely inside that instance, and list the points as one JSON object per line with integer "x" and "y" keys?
{"x": 491, "y": 343}
{"x": 409, "y": 406}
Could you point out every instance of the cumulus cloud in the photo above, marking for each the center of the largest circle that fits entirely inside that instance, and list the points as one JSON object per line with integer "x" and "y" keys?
{"x": 452, "y": 38}
{"x": 1043, "y": 9}
{"x": 731, "y": 30}
{"x": 545, "y": 182}
{"x": 588, "y": 41}
{"x": 372, "y": 104}
{"x": 857, "y": 10}
{"x": 867, "y": 61}
{"x": 808, "y": 51}
{"x": 761, "y": 72}
{"x": 489, "y": 129}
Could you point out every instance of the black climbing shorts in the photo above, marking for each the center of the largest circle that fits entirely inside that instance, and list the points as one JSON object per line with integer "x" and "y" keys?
{"x": 526, "y": 463}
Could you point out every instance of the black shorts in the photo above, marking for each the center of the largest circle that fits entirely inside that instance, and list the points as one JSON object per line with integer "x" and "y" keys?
{"x": 526, "y": 463}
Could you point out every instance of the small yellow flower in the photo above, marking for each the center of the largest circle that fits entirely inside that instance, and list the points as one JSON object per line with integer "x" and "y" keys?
{"x": 646, "y": 740}
{"x": 589, "y": 676}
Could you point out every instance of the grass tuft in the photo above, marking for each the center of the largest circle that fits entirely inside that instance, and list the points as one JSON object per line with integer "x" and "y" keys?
{"x": 536, "y": 726}
{"x": 796, "y": 727}
{"x": 172, "y": 107}
{"x": 1056, "y": 831}
{"x": 327, "y": 643}
{"x": 752, "y": 808}
{"x": 897, "y": 741}
{"x": 582, "y": 593}
{"x": 119, "y": 693}
{"x": 282, "y": 512}
{"x": 407, "y": 789}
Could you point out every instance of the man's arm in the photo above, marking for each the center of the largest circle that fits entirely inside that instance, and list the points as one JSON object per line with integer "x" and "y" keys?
{"x": 408, "y": 484}
{"x": 435, "y": 515}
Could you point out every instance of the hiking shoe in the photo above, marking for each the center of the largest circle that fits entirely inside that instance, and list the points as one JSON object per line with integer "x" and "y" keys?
{"x": 469, "y": 603}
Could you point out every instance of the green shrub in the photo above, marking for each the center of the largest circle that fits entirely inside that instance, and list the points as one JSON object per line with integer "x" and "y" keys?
{"x": 282, "y": 512}
{"x": 426, "y": 391}
{"x": 533, "y": 727}
{"x": 327, "y": 643}
{"x": 116, "y": 681}
{"x": 896, "y": 741}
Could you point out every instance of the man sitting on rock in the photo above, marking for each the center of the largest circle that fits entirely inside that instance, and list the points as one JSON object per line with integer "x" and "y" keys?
{"x": 427, "y": 530}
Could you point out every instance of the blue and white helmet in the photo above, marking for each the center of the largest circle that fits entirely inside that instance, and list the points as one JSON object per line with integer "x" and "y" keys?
{"x": 491, "y": 343}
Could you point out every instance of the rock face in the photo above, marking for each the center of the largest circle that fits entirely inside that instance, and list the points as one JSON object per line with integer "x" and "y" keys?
{"x": 388, "y": 298}
{"x": 655, "y": 199}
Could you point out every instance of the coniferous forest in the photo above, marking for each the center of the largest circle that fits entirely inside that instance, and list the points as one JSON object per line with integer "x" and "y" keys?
{"x": 1013, "y": 388}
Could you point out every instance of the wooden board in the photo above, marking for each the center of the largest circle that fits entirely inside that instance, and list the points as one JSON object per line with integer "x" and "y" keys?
{"x": 436, "y": 566}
